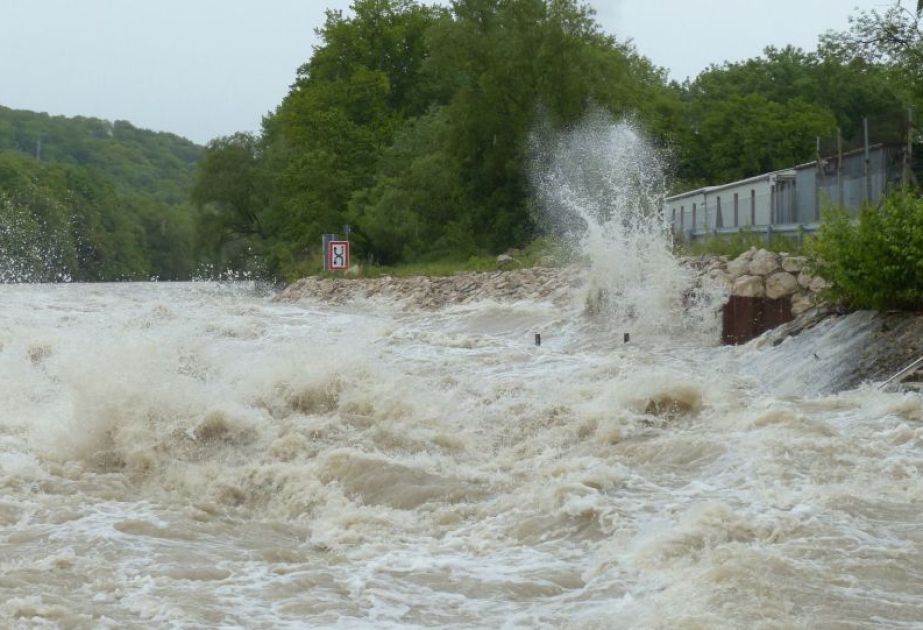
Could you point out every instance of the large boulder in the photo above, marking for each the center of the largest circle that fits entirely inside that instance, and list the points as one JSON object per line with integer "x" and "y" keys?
{"x": 505, "y": 261}
{"x": 749, "y": 254}
{"x": 801, "y": 302}
{"x": 780, "y": 285}
{"x": 794, "y": 264}
{"x": 721, "y": 278}
{"x": 749, "y": 286}
{"x": 805, "y": 279}
{"x": 764, "y": 263}
{"x": 738, "y": 267}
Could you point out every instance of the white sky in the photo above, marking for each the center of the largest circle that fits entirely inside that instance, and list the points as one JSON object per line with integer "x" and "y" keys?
{"x": 205, "y": 68}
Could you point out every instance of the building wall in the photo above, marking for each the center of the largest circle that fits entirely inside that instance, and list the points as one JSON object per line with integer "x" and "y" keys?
{"x": 792, "y": 197}
{"x": 754, "y": 198}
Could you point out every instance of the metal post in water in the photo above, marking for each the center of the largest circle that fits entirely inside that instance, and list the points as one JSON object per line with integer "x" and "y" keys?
{"x": 538, "y": 339}
{"x": 626, "y": 337}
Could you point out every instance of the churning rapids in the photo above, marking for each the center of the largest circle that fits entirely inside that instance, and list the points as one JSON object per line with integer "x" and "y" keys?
{"x": 199, "y": 456}
{"x": 196, "y": 456}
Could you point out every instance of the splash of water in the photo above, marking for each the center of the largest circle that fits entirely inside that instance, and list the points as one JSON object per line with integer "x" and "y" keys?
{"x": 31, "y": 250}
{"x": 601, "y": 184}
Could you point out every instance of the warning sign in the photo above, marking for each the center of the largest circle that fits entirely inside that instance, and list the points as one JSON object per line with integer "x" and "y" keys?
{"x": 338, "y": 255}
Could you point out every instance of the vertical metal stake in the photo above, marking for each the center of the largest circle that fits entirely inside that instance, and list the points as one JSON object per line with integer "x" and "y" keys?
{"x": 868, "y": 170}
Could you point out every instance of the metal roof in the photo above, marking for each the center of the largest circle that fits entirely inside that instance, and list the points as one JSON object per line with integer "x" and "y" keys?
{"x": 785, "y": 173}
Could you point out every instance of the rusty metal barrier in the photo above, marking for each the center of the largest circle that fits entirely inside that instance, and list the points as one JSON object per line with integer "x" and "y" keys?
{"x": 745, "y": 318}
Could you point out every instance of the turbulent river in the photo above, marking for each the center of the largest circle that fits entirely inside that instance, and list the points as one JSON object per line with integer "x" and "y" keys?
{"x": 198, "y": 456}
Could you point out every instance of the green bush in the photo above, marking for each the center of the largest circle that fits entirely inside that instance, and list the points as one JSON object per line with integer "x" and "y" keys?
{"x": 875, "y": 262}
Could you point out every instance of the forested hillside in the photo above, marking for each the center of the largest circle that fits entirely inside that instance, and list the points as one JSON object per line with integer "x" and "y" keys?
{"x": 87, "y": 199}
{"x": 411, "y": 123}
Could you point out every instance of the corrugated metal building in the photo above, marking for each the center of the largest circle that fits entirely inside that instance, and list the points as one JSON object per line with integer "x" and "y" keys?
{"x": 787, "y": 198}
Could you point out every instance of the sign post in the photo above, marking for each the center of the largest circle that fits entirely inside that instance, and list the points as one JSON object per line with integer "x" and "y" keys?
{"x": 324, "y": 248}
{"x": 337, "y": 255}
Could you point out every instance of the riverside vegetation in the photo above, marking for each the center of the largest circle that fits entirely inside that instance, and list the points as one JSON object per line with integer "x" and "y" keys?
{"x": 754, "y": 273}
{"x": 412, "y": 123}
{"x": 85, "y": 199}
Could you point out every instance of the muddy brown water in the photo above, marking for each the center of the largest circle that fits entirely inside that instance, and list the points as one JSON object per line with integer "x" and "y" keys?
{"x": 197, "y": 456}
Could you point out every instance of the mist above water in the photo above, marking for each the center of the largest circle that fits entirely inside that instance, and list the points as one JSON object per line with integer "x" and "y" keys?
{"x": 601, "y": 184}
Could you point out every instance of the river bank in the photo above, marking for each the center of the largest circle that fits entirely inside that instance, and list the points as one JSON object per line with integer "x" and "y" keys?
{"x": 870, "y": 346}
{"x": 755, "y": 273}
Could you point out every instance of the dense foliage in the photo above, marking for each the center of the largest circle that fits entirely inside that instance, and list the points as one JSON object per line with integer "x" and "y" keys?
{"x": 765, "y": 114}
{"x": 877, "y": 261}
{"x": 87, "y": 199}
{"x": 411, "y": 124}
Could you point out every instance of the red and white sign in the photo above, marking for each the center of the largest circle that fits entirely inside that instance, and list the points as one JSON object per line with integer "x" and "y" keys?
{"x": 338, "y": 255}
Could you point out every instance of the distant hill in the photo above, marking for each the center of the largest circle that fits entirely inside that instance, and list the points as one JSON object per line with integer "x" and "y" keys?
{"x": 139, "y": 161}
{"x": 86, "y": 199}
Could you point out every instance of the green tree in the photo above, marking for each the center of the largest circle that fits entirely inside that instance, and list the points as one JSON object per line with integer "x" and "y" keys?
{"x": 121, "y": 189}
{"x": 891, "y": 39}
{"x": 412, "y": 210}
{"x": 226, "y": 191}
{"x": 877, "y": 261}
{"x": 765, "y": 113}
{"x": 324, "y": 141}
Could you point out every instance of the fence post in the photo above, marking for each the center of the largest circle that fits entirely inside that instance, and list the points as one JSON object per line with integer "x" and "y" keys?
{"x": 819, "y": 180}
{"x": 908, "y": 152}
{"x": 868, "y": 165}
{"x": 839, "y": 169}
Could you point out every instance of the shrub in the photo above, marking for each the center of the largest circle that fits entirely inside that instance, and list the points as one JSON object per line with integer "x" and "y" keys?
{"x": 875, "y": 262}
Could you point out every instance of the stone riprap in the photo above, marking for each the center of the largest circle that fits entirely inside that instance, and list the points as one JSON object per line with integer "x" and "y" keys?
{"x": 536, "y": 283}
{"x": 756, "y": 273}
{"x": 761, "y": 273}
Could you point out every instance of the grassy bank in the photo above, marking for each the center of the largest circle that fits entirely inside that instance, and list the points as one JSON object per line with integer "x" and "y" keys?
{"x": 733, "y": 245}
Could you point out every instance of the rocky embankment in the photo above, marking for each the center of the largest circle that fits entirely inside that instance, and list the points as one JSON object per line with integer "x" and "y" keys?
{"x": 756, "y": 273}
{"x": 761, "y": 273}
{"x": 536, "y": 283}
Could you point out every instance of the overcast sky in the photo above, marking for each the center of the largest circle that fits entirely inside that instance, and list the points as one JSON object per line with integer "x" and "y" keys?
{"x": 205, "y": 68}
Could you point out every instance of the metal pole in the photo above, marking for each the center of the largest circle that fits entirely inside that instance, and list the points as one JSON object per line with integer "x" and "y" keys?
{"x": 839, "y": 168}
{"x": 908, "y": 152}
{"x": 818, "y": 182}
{"x": 868, "y": 170}
{"x": 325, "y": 240}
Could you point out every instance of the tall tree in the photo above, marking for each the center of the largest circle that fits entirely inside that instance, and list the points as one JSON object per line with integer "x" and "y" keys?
{"x": 890, "y": 38}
